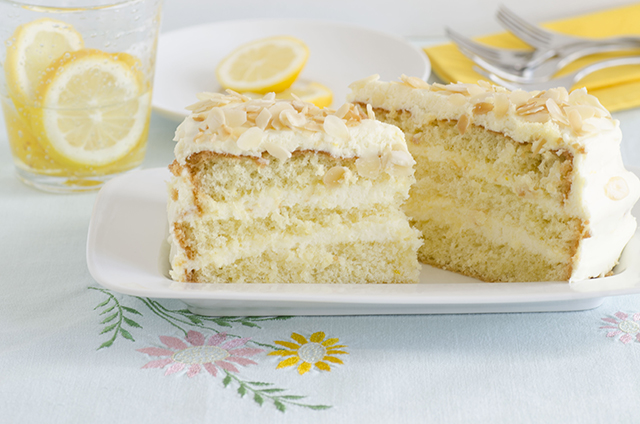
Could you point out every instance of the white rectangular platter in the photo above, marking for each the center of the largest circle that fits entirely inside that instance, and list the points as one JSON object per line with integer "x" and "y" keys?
{"x": 127, "y": 252}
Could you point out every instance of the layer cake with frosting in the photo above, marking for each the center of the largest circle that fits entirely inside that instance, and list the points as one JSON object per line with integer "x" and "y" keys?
{"x": 510, "y": 185}
{"x": 275, "y": 191}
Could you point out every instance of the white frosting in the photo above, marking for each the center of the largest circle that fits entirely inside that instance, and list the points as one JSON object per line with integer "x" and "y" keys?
{"x": 575, "y": 123}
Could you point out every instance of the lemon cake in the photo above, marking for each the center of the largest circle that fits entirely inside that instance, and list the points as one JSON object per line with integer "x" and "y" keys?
{"x": 510, "y": 185}
{"x": 277, "y": 191}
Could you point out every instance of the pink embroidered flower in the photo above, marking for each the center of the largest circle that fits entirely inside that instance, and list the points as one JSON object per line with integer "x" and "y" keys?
{"x": 198, "y": 353}
{"x": 627, "y": 325}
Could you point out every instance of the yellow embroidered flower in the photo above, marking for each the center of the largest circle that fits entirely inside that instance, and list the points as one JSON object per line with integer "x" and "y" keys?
{"x": 315, "y": 351}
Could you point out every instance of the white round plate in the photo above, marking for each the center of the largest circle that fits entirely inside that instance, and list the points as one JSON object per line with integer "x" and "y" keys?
{"x": 339, "y": 55}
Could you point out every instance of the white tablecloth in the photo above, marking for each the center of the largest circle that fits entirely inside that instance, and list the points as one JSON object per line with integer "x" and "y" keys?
{"x": 74, "y": 352}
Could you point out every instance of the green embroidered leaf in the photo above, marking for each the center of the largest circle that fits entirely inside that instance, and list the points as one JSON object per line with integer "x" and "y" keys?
{"x": 108, "y": 328}
{"x": 292, "y": 397}
{"x": 272, "y": 390}
{"x": 106, "y": 311}
{"x": 131, "y": 322}
{"x": 133, "y": 311}
{"x": 259, "y": 383}
{"x": 109, "y": 318}
{"x": 106, "y": 344}
{"x": 242, "y": 390}
{"x": 102, "y": 304}
{"x": 226, "y": 381}
{"x": 194, "y": 319}
{"x": 126, "y": 334}
{"x": 280, "y": 406}
{"x": 222, "y": 323}
{"x": 259, "y": 400}
{"x": 316, "y": 407}
{"x": 249, "y": 324}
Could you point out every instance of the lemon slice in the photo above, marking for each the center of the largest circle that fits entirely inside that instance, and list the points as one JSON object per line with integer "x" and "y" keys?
{"x": 308, "y": 91}
{"x": 95, "y": 106}
{"x": 31, "y": 49}
{"x": 261, "y": 66}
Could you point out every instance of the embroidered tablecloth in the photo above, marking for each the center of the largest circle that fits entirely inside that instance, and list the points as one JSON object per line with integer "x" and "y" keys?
{"x": 72, "y": 351}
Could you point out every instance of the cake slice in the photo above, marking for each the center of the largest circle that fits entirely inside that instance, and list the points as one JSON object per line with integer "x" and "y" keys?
{"x": 511, "y": 186}
{"x": 275, "y": 191}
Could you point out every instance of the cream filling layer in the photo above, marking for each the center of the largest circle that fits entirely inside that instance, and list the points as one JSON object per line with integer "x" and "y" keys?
{"x": 384, "y": 228}
{"x": 492, "y": 228}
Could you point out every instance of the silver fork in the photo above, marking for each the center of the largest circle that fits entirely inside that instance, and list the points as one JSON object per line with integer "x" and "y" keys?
{"x": 524, "y": 67}
{"x": 542, "y": 38}
{"x": 567, "y": 81}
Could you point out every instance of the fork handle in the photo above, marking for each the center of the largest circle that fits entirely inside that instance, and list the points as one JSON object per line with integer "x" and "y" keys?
{"x": 632, "y": 60}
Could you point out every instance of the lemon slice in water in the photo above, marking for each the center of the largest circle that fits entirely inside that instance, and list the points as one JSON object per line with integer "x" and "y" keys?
{"x": 94, "y": 107}
{"x": 261, "y": 66}
{"x": 31, "y": 49}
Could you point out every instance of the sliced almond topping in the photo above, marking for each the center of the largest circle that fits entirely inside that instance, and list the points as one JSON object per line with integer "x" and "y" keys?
{"x": 370, "y": 113}
{"x": 463, "y": 124}
{"x": 500, "y": 105}
{"x": 250, "y": 139}
{"x": 334, "y": 177}
{"x": 279, "y": 107}
{"x": 586, "y": 112}
{"x": 457, "y": 99}
{"x": 414, "y": 82}
{"x": 368, "y": 167}
{"x": 235, "y": 117}
{"x": 616, "y": 188}
{"x": 541, "y": 116}
{"x": 215, "y": 119}
{"x": 575, "y": 120}
{"x": 519, "y": 97}
{"x": 263, "y": 118}
{"x": 292, "y": 119}
{"x": 342, "y": 110}
{"x": 556, "y": 113}
{"x": 336, "y": 127}
{"x": 277, "y": 150}
{"x": 475, "y": 90}
{"x": 482, "y": 108}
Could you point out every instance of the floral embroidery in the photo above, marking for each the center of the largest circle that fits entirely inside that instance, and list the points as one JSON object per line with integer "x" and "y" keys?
{"x": 315, "y": 351}
{"x": 197, "y": 353}
{"x": 625, "y": 325}
{"x": 114, "y": 322}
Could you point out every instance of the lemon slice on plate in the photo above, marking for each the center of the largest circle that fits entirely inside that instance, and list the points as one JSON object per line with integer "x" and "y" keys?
{"x": 261, "y": 66}
{"x": 31, "y": 49}
{"x": 93, "y": 107}
{"x": 307, "y": 91}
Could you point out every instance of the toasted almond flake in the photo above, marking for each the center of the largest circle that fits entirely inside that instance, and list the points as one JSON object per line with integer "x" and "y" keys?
{"x": 313, "y": 126}
{"x": 369, "y": 166}
{"x": 457, "y": 88}
{"x": 463, "y": 124}
{"x": 556, "y": 113}
{"x": 559, "y": 95}
{"x": 485, "y": 84}
{"x": 586, "y": 112}
{"x": 500, "y": 104}
{"x": 414, "y": 82}
{"x": 336, "y": 127}
{"x": 616, "y": 188}
{"x": 342, "y": 110}
{"x": 364, "y": 81}
{"x": 270, "y": 97}
{"x": 292, "y": 119}
{"x": 250, "y": 139}
{"x": 279, "y": 107}
{"x": 263, "y": 118}
{"x": 575, "y": 120}
{"x": 235, "y": 117}
{"x": 475, "y": 90}
{"x": 457, "y": 99}
{"x": 482, "y": 108}
{"x": 401, "y": 158}
{"x": 277, "y": 150}
{"x": 541, "y": 116}
{"x": 537, "y": 145}
{"x": 370, "y": 113}
{"x": 519, "y": 97}
{"x": 215, "y": 119}
{"x": 334, "y": 176}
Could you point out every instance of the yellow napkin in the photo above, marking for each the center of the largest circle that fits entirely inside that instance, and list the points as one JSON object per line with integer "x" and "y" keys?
{"x": 617, "y": 88}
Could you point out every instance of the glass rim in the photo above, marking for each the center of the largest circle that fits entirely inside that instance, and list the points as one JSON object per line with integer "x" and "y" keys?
{"x": 33, "y": 5}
